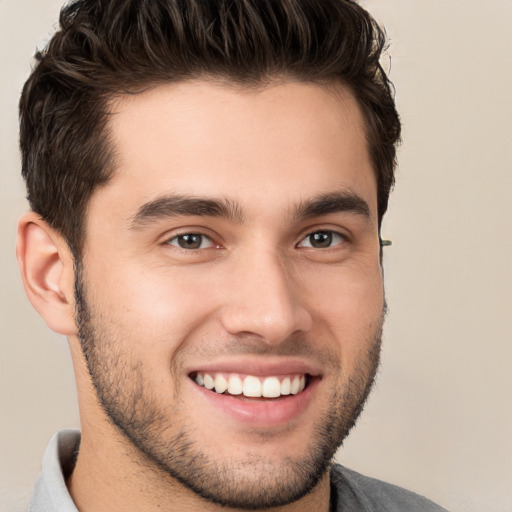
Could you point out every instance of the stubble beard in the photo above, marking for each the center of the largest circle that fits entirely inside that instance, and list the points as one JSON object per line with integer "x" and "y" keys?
{"x": 254, "y": 483}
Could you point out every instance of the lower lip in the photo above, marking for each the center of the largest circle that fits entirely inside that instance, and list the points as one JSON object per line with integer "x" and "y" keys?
{"x": 261, "y": 413}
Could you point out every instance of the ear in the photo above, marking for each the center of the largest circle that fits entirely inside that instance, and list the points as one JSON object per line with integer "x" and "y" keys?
{"x": 47, "y": 270}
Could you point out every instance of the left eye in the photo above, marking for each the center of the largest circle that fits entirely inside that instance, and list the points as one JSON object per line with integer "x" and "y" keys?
{"x": 191, "y": 241}
{"x": 322, "y": 240}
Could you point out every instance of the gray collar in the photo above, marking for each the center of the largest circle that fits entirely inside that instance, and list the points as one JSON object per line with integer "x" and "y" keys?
{"x": 50, "y": 492}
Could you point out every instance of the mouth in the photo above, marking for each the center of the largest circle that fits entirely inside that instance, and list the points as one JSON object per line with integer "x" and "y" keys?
{"x": 251, "y": 386}
{"x": 266, "y": 395}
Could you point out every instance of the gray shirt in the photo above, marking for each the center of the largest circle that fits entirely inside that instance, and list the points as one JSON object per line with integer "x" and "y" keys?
{"x": 350, "y": 491}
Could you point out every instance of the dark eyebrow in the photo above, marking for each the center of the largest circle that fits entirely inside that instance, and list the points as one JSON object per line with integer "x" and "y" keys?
{"x": 333, "y": 203}
{"x": 179, "y": 205}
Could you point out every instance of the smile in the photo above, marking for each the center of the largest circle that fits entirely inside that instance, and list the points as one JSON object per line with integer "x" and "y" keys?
{"x": 251, "y": 386}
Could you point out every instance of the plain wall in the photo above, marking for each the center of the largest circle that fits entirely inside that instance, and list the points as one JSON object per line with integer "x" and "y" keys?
{"x": 440, "y": 418}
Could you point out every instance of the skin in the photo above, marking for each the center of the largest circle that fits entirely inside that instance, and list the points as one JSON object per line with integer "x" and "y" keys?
{"x": 255, "y": 293}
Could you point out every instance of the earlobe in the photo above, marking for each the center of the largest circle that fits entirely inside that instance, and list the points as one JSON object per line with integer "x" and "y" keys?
{"x": 47, "y": 270}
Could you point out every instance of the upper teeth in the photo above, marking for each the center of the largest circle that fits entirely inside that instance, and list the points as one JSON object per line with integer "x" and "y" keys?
{"x": 250, "y": 386}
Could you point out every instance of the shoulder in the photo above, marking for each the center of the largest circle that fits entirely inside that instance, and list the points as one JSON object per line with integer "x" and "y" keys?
{"x": 352, "y": 491}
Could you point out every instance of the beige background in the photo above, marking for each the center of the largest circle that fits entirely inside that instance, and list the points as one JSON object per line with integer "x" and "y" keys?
{"x": 440, "y": 420}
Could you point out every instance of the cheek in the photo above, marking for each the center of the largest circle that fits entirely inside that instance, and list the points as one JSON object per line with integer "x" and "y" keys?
{"x": 155, "y": 308}
{"x": 348, "y": 305}
{"x": 351, "y": 297}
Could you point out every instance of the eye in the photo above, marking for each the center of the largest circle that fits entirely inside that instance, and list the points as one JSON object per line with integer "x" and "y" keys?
{"x": 322, "y": 240}
{"x": 191, "y": 241}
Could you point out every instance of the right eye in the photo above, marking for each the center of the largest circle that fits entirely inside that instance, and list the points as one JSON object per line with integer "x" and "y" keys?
{"x": 191, "y": 241}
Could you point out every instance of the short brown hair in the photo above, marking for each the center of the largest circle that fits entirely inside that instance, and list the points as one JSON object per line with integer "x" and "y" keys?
{"x": 109, "y": 47}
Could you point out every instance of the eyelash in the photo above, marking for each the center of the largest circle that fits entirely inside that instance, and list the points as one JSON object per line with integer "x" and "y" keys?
{"x": 322, "y": 236}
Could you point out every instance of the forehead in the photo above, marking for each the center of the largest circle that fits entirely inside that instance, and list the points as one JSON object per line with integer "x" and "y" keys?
{"x": 278, "y": 143}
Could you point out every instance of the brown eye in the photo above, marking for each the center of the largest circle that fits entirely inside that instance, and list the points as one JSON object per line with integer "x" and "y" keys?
{"x": 191, "y": 241}
{"x": 322, "y": 240}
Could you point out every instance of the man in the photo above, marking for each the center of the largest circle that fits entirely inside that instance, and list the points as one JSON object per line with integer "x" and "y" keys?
{"x": 207, "y": 183}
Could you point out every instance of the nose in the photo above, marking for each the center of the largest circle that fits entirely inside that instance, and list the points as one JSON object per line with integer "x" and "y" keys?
{"x": 264, "y": 300}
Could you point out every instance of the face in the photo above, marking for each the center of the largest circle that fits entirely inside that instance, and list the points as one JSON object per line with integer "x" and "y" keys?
{"x": 229, "y": 297}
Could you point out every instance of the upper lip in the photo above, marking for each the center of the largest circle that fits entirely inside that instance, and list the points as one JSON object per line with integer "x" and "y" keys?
{"x": 258, "y": 367}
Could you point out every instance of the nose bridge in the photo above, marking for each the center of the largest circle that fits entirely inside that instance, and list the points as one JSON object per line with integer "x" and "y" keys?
{"x": 264, "y": 298}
